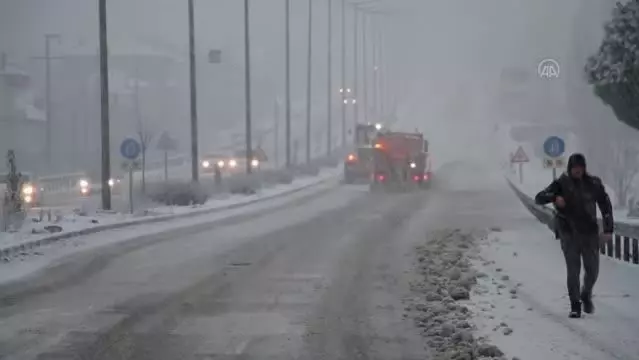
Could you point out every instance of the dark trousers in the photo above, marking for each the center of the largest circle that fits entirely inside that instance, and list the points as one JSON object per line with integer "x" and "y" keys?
{"x": 577, "y": 247}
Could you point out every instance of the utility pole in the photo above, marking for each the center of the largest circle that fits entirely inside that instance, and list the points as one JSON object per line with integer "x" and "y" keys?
{"x": 104, "y": 104}
{"x": 343, "y": 87}
{"x": 375, "y": 72}
{"x": 247, "y": 85}
{"x": 329, "y": 80}
{"x": 195, "y": 166}
{"x": 308, "y": 80}
{"x": 355, "y": 67}
{"x": 47, "y": 93}
{"x": 365, "y": 66}
{"x": 287, "y": 36}
{"x": 276, "y": 135}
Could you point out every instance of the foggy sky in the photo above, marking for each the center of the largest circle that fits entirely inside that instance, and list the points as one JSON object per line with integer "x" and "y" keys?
{"x": 436, "y": 47}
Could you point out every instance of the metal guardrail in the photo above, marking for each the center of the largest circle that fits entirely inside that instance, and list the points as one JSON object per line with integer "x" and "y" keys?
{"x": 625, "y": 241}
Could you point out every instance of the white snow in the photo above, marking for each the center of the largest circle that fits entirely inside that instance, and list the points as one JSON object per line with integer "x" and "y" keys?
{"x": 44, "y": 256}
{"x": 537, "y": 312}
{"x": 74, "y": 222}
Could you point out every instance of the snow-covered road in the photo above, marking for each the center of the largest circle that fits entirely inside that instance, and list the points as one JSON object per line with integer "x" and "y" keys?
{"x": 335, "y": 275}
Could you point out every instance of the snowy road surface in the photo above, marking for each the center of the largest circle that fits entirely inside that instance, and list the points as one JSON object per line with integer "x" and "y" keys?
{"x": 335, "y": 277}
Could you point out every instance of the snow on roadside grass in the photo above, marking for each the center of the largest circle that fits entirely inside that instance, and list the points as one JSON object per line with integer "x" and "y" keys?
{"x": 72, "y": 222}
{"x": 521, "y": 303}
{"x": 444, "y": 291}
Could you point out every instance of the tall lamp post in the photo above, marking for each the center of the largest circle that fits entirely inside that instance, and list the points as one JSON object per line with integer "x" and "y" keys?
{"x": 104, "y": 105}
{"x": 247, "y": 86}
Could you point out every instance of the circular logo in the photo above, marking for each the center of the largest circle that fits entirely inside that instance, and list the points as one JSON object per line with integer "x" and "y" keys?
{"x": 548, "y": 69}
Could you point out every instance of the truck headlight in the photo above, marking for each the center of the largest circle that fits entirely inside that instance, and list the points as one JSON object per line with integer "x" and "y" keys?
{"x": 255, "y": 163}
{"x": 27, "y": 190}
{"x": 206, "y": 164}
{"x": 232, "y": 163}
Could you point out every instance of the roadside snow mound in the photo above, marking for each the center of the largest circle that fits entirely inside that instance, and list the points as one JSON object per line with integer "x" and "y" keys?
{"x": 444, "y": 289}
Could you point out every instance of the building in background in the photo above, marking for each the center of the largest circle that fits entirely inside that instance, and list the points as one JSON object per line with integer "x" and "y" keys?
{"x": 22, "y": 123}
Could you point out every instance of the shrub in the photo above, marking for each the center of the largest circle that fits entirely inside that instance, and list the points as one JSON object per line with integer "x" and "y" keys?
{"x": 177, "y": 193}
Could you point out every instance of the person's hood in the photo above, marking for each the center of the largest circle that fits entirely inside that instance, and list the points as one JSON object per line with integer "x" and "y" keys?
{"x": 576, "y": 160}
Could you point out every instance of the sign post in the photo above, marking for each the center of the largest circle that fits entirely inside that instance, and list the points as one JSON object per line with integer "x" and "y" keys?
{"x": 554, "y": 148}
{"x": 165, "y": 144}
{"x": 520, "y": 158}
{"x": 130, "y": 150}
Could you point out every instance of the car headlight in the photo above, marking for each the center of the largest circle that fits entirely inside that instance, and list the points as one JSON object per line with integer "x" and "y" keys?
{"x": 84, "y": 183}
{"x": 413, "y": 165}
{"x": 111, "y": 182}
{"x": 232, "y": 163}
{"x": 27, "y": 190}
{"x": 220, "y": 164}
{"x": 255, "y": 163}
{"x": 206, "y": 164}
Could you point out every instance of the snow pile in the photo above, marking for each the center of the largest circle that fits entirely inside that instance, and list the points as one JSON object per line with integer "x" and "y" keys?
{"x": 520, "y": 302}
{"x": 70, "y": 222}
{"x": 445, "y": 285}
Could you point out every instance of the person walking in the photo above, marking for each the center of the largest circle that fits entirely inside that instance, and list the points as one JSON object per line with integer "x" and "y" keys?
{"x": 576, "y": 195}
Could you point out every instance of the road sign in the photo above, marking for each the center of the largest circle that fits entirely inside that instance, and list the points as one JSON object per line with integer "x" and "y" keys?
{"x": 554, "y": 163}
{"x": 166, "y": 143}
{"x": 554, "y": 146}
{"x": 520, "y": 156}
{"x": 130, "y": 149}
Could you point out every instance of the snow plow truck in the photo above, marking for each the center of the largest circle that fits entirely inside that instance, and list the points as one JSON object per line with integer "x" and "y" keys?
{"x": 400, "y": 161}
{"x": 358, "y": 164}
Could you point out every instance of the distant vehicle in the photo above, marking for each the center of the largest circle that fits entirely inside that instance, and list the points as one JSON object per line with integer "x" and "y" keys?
{"x": 229, "y": 164}
{"x": 400, "y": 160}
{"x": 358, "y": 164}
{"x": 29, "y": 192}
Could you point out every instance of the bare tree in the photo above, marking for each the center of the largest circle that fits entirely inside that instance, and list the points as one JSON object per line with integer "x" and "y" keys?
{"x": 145, "y": 136}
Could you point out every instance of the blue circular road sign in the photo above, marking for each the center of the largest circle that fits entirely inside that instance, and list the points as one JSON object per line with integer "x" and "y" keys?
{"x": 554, "y": 146}
{"x": 130, "y": 149}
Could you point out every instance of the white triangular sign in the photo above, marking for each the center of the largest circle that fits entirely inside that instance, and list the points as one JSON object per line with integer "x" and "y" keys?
{"x": 520, "y": 156}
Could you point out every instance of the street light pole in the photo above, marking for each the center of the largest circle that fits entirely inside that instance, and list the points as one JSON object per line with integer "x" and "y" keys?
{"x": 247, "y": 86}
{"x": 195, "y": 166}
{"x": 355, "y": 67}
{"x": 104, "y": 106}
{"x": 329, "y": 130}
{"x": 49, "y": 105}
{"x": 287, "y": 36}
{"x": 375, "y": 72}
{"x": 308, "y": 80}
{"x": 343, "y": 87}
{"x": 365, "y": 66}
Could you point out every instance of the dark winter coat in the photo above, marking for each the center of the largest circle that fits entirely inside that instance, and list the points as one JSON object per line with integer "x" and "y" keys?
{"x": 582, "y": 196}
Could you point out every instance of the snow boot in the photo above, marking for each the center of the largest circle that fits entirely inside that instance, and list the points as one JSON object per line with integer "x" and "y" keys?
{"x": 586, "y": 300}
{"x": 575, "y": 310}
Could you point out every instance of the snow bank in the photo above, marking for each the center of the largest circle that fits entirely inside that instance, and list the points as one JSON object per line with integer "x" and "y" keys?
{"x": 75, "y": 225}
{"x": 445, "y": 287}
{"x": 520, "y": 303}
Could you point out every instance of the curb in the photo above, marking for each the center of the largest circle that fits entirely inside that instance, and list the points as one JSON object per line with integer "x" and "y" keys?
{"x": 14, "y": 249}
